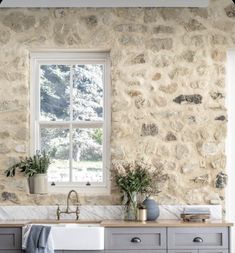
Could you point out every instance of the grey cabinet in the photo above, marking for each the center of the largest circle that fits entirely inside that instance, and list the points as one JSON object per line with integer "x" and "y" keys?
{"x": 167, "y": 240}
{"x": 182, "y": 251}
{"x": 10, "y": 251}
{"x": 198, "y": 240}
{"x": 197, "y": 251}
{"x": 78, "y": 251}
{"x": 10, "y": 240}
{"x": 136, "y": 251}
{"x": 142, "y": 240}
{"x": 81, "y": 251}
{"x": 135, "y": 239}
{"x": 213, "y": 251}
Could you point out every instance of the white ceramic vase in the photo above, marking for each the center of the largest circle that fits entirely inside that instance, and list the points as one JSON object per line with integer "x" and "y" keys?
{"x": 40, "y": 184}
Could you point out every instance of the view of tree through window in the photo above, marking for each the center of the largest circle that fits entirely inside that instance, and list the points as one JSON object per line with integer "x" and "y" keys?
{"x": 71, "y": 121}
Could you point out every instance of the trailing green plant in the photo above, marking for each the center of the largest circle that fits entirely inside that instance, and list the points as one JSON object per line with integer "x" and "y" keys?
{"x": 36, "y": 164}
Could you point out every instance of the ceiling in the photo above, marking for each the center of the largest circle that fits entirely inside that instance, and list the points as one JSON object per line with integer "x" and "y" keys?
{"x": 103, "y": 3}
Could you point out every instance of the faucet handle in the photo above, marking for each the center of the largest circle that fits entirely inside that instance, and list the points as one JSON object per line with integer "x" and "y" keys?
{"x": 77, "y": 206}
{"x": 77, "y": 211}
{"x": 58, "y": 211}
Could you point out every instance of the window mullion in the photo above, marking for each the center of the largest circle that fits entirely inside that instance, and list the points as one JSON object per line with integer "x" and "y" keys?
{"x": 38, "y": 110}
{"x": 54, "y": 124}
{"x": 71, "y": 127}
{"x": 88, "y": 124}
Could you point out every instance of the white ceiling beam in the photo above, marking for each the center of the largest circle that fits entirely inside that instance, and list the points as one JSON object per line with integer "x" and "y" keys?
{"x": 102, "y": 3}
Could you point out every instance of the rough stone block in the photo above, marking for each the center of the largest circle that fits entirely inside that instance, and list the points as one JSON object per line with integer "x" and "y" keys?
{"x": 160, "y": 44}
{"x": 188, "y": 99}
{"x": 149, "y": 129}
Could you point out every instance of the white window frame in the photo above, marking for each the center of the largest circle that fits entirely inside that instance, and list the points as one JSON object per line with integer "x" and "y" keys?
{"x": 230, "y": 141}
{"x": 71, "y": 58}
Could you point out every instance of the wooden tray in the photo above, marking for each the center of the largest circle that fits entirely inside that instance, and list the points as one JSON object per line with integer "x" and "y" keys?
{"x": 195, "y": 217}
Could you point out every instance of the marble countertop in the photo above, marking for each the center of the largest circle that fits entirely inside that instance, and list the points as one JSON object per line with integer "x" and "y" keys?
{"x": 121, "y": 223}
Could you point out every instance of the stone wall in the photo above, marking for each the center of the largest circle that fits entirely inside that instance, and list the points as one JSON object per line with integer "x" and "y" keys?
{"x": 168, "y": 90}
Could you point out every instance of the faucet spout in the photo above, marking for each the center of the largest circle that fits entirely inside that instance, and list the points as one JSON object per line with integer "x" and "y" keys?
{"x": 69, "y": 198}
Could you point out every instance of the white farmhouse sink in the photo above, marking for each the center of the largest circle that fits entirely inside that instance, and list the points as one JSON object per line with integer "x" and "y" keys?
{"x": 77, "y": 236}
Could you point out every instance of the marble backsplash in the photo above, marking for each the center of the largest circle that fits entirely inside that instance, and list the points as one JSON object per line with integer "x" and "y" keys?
{"x": 93, "y": 212}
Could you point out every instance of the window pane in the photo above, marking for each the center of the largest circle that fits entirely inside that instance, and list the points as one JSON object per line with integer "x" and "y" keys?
{"x": 55, "y": 92}
{"x": 88, "y": 92}
{"x": 87, "y": 155}
{"x": 56, "y": 142}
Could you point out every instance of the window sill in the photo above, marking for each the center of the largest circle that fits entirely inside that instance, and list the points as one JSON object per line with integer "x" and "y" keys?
{"x": 84, "y": 190}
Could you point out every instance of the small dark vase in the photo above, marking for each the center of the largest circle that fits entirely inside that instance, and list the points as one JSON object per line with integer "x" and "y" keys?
{"x": 152, "y": 206}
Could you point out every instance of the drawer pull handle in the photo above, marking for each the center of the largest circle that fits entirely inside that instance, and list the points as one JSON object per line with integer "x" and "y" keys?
{"x": 198, "y": 239}
{"x": 136, "y": 240}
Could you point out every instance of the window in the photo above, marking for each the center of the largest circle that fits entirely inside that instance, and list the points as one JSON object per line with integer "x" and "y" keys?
{"x": 70, "y": 118}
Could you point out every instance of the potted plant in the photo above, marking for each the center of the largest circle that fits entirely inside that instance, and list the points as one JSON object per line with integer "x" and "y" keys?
{"x": 34, "y": 167}
{"x": 138, "y": 177}
{"x": 134, "y": 178}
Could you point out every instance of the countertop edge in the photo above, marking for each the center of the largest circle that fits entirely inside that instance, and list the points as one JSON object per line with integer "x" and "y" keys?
{"x": 120, "y": 223}
{"x": 164, "y": 223}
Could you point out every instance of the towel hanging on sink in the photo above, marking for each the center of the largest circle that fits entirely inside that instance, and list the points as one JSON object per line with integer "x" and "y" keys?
{"x": 38, "y": 239}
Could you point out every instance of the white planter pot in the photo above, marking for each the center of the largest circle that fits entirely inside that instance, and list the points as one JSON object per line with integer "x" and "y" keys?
{"x": 40, "y": 184}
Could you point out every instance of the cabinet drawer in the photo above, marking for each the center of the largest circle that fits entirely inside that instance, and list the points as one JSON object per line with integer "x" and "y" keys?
{"x": 136, "y": 251}
{"x": 79, "y": 251}
{"x": 198, "y": 238}
{"x": 11, "y": 251}
{"x": 135, "y": 238}
{"x": 10, "y": 239}
{"x": 182, "y": 251}
{"x": 213, "y": 251}
{"x": 197, "y": 251}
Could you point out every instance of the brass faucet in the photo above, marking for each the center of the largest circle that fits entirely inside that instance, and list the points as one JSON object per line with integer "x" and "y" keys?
{"x": 67, "y": 210}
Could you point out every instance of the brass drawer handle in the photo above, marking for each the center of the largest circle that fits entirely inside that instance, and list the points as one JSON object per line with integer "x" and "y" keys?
{"x": 136, "y": 240}
{"x": 198, "y": 240}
